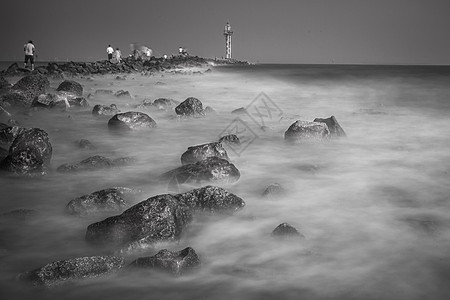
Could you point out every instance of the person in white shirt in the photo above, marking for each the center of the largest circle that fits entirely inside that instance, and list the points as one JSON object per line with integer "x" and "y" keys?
{"x": 117, "y": 56}
{"x": 110, "y": 52}
{"x": 29, "y": 54}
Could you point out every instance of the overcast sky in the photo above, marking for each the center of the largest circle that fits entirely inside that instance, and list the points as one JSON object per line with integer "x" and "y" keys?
{"x": 283, "y": 31}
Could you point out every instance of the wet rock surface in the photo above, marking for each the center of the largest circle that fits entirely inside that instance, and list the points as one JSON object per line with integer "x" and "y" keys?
{"x": 103, "y": 110}
{"x": 230, "y": 139}
{"x": 333, "y": 126}
{"x": 131, "y": 121}
{"x": 201, "y": 152}
{"x": 159, "y": 218}
{"x": 174, "y": 262}
{"x": 96, "y": 162}
{"x": 274, "y": 191}
{"x": 31, "y": 86}
{"x": 284, "y": 230}
{"x": 64, "y": 271}
{"x": 191, "y": 107}
{"x": 71, "y": 86}
{"x": 306, "y": 131}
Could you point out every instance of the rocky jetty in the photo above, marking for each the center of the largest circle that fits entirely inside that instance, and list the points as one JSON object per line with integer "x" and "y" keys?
{"x": 174, "y": 262}
{"x": 131, "y": 120}
{"x": 64, "y": 271}
{"x": 200, "y": 152}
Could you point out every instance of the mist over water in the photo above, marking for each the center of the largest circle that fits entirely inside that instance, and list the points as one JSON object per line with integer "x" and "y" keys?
{"x": 373, "y": 207}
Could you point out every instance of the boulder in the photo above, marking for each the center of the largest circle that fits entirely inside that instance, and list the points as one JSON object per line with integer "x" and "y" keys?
{"x": 159, "y": 218}
{"x": 306, "y": 131}
{"x": 94, "y": 163}
{"x": 211, "y": 169}
{"x": 110, "y": 200}
{"x": 26, "y": 162}
{"x": 122, "y": 94}
{"x": 32, "y": 86}
{"x": 164, "y": 103}
{"x": 200, "y": 152}
{"x": 33, "y": 138}
{"x": 284, "y": 230}
{"x": 64, "y": 271}
{"x": 274, "y": 191}
{"x": 9, "y": 133}
{"x": 190, "y": 107}
{"x": 175, "y": 263}
{"x": 71, "y": 87}
{"x": 4, "y": 83}
{"x": 131, "y": 120}
{"x": 211, "y": 199}
{"x": 103, "y": 110}
{"x": 15, "y": 98}
{"x": 85, "y": 144}
{"x": 333, "y": 126}
{"x": 3, "y": 153}
{"x": 44, "y": 100}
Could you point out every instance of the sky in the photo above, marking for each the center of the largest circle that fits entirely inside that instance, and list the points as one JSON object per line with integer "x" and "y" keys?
{"x": 283, "y": 31}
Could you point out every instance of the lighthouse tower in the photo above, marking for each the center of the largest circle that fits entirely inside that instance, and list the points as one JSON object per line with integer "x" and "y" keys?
{"x": 228, "y": 33}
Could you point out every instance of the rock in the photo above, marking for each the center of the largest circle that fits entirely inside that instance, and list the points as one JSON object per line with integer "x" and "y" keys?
{"x": 71, "y": 87}
{"x": 15, "y": 98}
{"x": 32, "y": 86}
{"x": 19, "y": 214}
{"x": 122, "y": 94}
{"x": 44, "y": 100}
{"x": 33, "y": 138}
{"x": 4, "y": 112}
{"x": 333, "y": 126}
{"x": 85, "y": 144}
{"x": 78, "y": 102}
{"x": 9, "y": 133}
{"x": 274, "y": 191}
{"x": 131, "y": 120}
{"x": 211, "y": 169}
{"x": 3, "y": 153}
{"x": 93, "y": 163}
{"x": 4, "y": 83}
{"x": 159, "y": 218}
{"x": 175, "y": 263}
{"x": 103, "y": 110}
{"x": 285, "y": 230}
{"x": 102, "y": 92}
{"x": 108, "y": 200}
{"x": 230, "y": 139}
{"x": 190, "y": 107}
{"x": 209, "y": 110}
{"x": 211, "y": 199}
{"x": 26, "y": 162}
{"x": 63, "y": 271}
{"x": 306, "y": 131}
{"x": 164, "y": 103}
{"x": 200, "y": 152}
{"x": 240, "y": 111}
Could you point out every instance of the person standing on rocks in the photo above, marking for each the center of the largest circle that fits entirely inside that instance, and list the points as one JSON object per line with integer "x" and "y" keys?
{"x": 29, "y": 54}
{"x": 117, "y": 56}
{"x": 110, "y": 51}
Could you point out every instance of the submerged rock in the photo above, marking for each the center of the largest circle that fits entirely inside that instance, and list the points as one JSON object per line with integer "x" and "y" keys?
{"x": 273, "y": 191}
{"x": 63, "y": 271}
{"x": 285, "y": 230}
{"x": 131, "y": 120}
{"x": 211, "y": 169}
{"x": 72, "y": 87}
{"x": 211, "y": 199}
{"x": 19, "y": 214}
{"x": 85, "y": 144}
{"x": 306, "y": 131}
{"x": 104, "y": 110}
{"x": 110, "y": 200}
{"x": 190, "y": 107}
{"x": 333, "y": 126}
{"x": 230, "y": 139}
{"x": 159, "y": 218}
{"x": 93, "y": 163}
{"x": 175, "y": 263}
{"x": 164, "y": 103}
{"x": 201, "y": 152}
{"x": 122, "y": 94}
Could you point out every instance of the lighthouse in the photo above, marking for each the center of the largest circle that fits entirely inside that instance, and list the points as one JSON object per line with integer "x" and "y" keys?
{"x": 228, "y": 33}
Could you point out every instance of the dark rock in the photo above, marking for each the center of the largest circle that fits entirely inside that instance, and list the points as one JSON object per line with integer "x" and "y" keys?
{"x": 273, "y": 191}
{"x": 32, "y": 86}
{"x": 333, "y": 126}
{"x": 306, "y": 131}
{"x": 159, "y": 218}
{"x": 85, "y": 144}
{"x": 103, "y": 92}
{"x": 78, "y": 102}
{"x": 33, "y": 138}
{"x": 131, "y": 120}
{"x": 4, "y": 83}
{"x": 103, "y": 110}
{"x": 200, "y": 152}
{"x": 190, "y": 107}
{"x": 175, "y": 263}
{"x": 3, "y": 153}
{"x": 15, "y": 98}
{"x": 108, "y": 200}
{"x": 211, "y": 199}
{"x": 122, "y": 94}
{"x": 285, "y": 230}
{"x": 63, "y": 271}
{"x": 26, "y": 162}
{"x": 93, "y": 163}
{"x": 71, "y": 87}
{"x": 211, "y": 169}
{"x": 19, "y": 214}
{"x": 9, "y": 133}
{"x": 44, "y": 100}
{"x": 230, "y": 139}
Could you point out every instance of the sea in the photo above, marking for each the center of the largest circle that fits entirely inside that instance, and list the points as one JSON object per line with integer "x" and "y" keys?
{"x": 373, "y": 208}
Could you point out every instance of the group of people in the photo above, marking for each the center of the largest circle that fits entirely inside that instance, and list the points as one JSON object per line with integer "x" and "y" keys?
{"x": 114, "y": 56}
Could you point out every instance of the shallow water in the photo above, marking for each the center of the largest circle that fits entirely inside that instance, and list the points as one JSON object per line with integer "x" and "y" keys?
{"x": 373, "y": 206}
